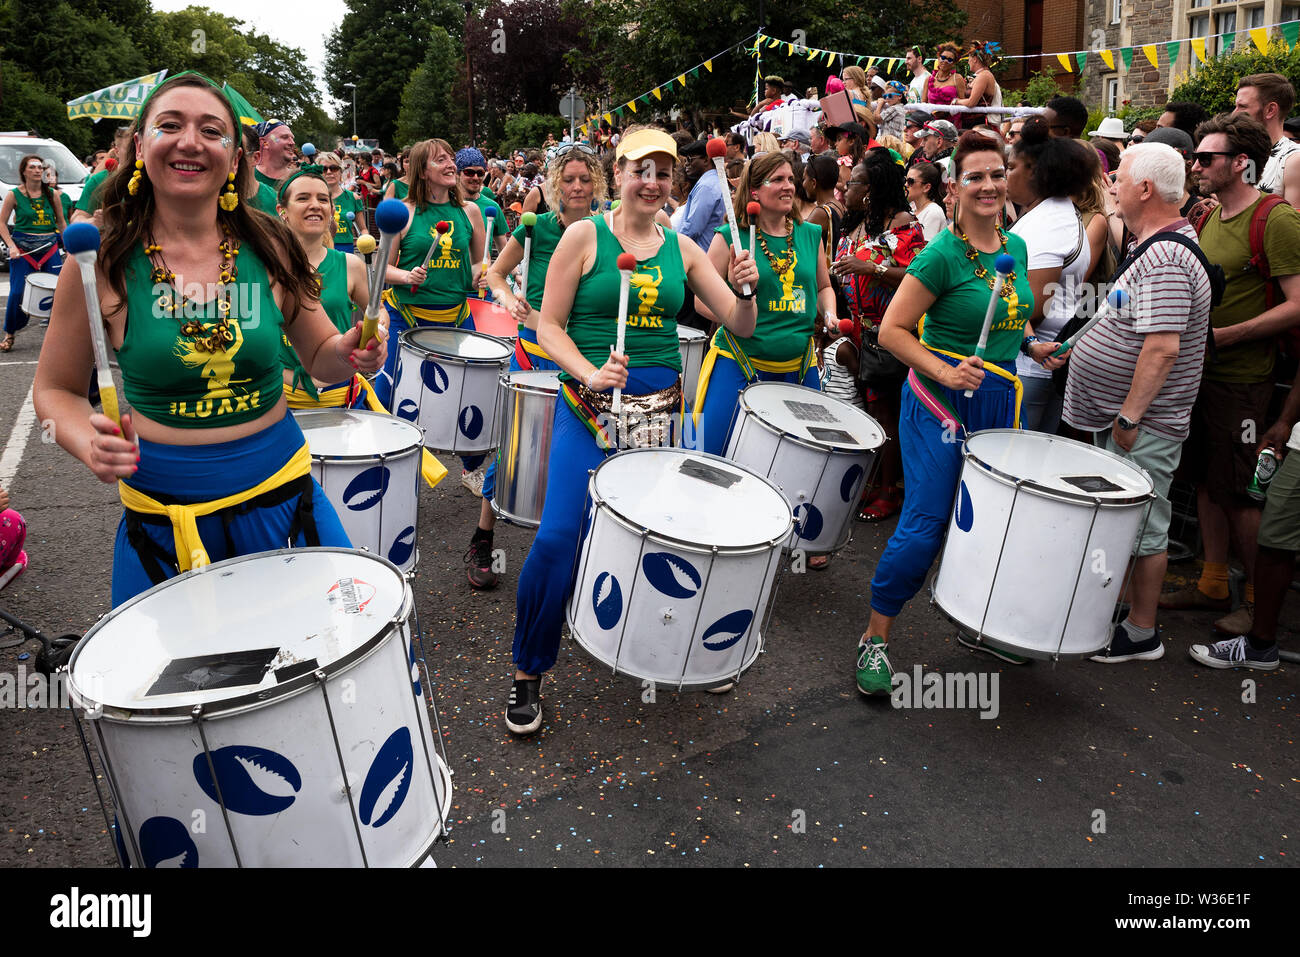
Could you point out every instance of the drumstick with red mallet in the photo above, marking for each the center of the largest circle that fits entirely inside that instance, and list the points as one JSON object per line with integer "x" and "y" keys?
{"x": 717, "y": 150}
{"x": 1004, "y": 265}
{"x": 81, "y": 240}
{"x": 442, "y": 226}
{"x": 752, "y": 210}
{"x": 529, "y": 220}
{"x": 390, "y": 216}
{"x": 626, "y": 265}
{"x": 490, "y": 217}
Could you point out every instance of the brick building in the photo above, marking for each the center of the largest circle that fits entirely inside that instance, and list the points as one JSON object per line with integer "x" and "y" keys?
{"x": 1026, "y": 27}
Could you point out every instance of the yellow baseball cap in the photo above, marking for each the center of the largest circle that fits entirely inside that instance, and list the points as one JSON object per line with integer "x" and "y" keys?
{"x": 643, "y": 143}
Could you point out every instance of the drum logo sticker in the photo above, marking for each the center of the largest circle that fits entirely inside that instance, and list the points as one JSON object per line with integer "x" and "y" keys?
{"x": 166, "y": 842}
{"x": 408, "y": 410}
{"x": 367, "y": 488}
{"x": 434, "y": 376}
{"x": 470, "y": 421}
{"x": 849, "y": 483}
{"x": 415, "y": 671}
{"x": 254, "y": 781}
{"x": 388, "y": 780}
{"x": 607, "y": 600}
{"x": 964, "y": 516}
{"x": 402, "y": 546}
{"x": 727, "y": 630}
{"x": 352, "y": 594}
{"x": 808, "y": 522}
{"x": 670, "y": 574}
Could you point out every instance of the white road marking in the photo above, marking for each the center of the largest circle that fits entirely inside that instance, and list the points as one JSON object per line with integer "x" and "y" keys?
{"x": 17, "y": 444}
{"x": 19, "y": 362}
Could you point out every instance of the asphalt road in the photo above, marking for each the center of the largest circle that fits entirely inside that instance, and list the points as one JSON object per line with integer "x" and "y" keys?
{"x": 1141, "y": 764}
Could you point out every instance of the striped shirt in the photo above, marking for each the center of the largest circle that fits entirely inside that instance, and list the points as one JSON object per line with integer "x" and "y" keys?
{"x": 1168, "y": 291}
{"x": 837, "y": 381}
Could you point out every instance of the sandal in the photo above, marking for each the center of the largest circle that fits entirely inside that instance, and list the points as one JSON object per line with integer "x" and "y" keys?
{"x": 881, "y": 508}
{"x": 822, "y": 565}
{"x": 7, "y": 343}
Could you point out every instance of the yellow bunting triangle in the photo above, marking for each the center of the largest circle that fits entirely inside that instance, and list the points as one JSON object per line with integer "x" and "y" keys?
{"x": 658, "y": 93}
{"x": 892, "y": 64}
{"x": 1198, "y": 47}
{"x": 608, "y": 118}
{"x": 1065, "y": 62}
{"x": 830, "y": 60}
{"x": 708, "y": 65}
{"x": 682, "y": 79}
{"x": 1260, "y": 36}
{"x": 871, "y": 61}
{"x": 632, "y": 105}
{"x": 814, "y": 54}
{"x": 1150, "y": 51}
{"x": 1108, "y": 57}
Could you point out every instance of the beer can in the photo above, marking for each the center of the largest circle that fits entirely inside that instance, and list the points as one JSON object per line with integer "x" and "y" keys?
{"x": 1265, "y": 469}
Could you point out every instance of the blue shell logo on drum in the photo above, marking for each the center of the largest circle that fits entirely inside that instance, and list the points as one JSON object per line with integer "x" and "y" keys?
{"x": 166, "y": 842}
{"x": 671, "y": 574}
{"x": 607, "y": 600}
{"x": 374, "y": 480}
{"x": 964, "y": 516}
{"x": 848, "y": 484}
{"x": 727, "y": 630}
{"x": 434, "y": 376}
{"x": 253, "y": 780}
{"x": 415, "y": 670}
{"x": 808, "y": 521}
{"x": 402, "y": 546}
{"x": 408, "y": 410}
{"x": 388, "y": 779}
{"x": 470, "y": 421}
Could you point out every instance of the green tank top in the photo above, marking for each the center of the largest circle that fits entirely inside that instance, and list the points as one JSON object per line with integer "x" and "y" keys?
{"x": 265, "y": 200}
{"x": 451, "y": 270}
{"x": 400, "y": 189}
{"x": 265, "y": 180}
{"x": 169, "y": 378}
{"x": 499, "y": 227}
{"x": 33, "y": 215}
{"x": 658, "y": 291}
{"x": 89, "y": 201}
{"x": 333, "y": 276}
{"x": 787, "y": 303}
{"x": 345, "y": 203}
{"x": 546, "y": 236}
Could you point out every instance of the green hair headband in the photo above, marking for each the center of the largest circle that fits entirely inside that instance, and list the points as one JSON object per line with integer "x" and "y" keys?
{"x": 306, "y": 169}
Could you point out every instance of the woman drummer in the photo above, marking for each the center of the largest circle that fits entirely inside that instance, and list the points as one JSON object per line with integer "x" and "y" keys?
{"x": 439, "y": 294}
{"x": 306, "y": 206}
{"x": 573, "y": 179}
{"x": 578, "y": 328}
{"x": 33, "y": 244}
{"x": 343, "y": 201}
{"x": 949, "y": 283}
{"x": 794, "y": 286}
{"x": 195, "y": 290}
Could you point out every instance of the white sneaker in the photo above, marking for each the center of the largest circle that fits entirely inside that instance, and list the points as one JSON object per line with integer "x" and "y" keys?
{"x": 474, "y": 480}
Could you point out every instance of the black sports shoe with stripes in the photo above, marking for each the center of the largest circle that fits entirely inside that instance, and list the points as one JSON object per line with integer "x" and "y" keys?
{"x": 524, "y": 710}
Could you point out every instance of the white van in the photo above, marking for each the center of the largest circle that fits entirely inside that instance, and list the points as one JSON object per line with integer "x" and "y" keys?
{"x": 15, "y": 145}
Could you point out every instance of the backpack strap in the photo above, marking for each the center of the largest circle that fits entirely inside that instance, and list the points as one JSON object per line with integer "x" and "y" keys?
{"x": 1258, "y": 258}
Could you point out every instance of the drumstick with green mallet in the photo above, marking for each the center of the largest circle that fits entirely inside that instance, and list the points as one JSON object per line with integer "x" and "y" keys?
{"x": 81, "y": 240}
{"x": 490, "y": 218}
{"x": 1004, "y": 265}
{"x": 442, "y": 227}
{"x": 390, "y": 216}
{"x": 717, "y": 150}
{"x": 626, "y": 265}
{"x": 529, "y": 220}
{"x": 1117, "y": 299}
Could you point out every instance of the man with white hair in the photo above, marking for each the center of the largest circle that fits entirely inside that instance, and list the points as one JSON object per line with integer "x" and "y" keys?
{"x": 1133, "y": 378}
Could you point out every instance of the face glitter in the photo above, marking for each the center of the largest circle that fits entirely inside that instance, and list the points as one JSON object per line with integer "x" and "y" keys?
{"x": 225, "y": 142}
{"x": 155, "y": 132}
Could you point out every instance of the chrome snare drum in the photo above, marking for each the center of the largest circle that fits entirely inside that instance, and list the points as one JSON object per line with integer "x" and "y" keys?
{"x": 527, "y": 417}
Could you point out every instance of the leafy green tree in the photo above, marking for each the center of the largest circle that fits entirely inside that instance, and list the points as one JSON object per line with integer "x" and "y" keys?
{"x": 528, "y": 130}
{"x": 1214, "y": 84}
{"x": 1043, "y": 87}
{"x": 429, "y": 107}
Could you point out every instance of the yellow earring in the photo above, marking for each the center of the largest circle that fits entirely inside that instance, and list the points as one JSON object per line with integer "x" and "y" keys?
{"x": 133, "y": 186}
{"x": 229, "y": 199}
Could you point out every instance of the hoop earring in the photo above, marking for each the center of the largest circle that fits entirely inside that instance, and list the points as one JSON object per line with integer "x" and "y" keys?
{"x": 133, "y": 186}
{"x": 229, "y": 199}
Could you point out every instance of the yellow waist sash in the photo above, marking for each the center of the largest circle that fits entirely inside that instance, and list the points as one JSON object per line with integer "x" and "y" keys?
{"x": 414, "y": 315}
{"x": 989, "y": 366}
{"x": 325, "y": 398}
{"x": 762, "y": 365}
{"x": 190, "y": 552}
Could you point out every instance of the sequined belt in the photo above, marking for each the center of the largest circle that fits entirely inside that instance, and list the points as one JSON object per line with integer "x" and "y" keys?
{"x": 644, "y": 420}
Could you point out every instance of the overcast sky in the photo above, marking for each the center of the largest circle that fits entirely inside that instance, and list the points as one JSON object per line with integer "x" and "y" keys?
{"x": 301, "y": 25}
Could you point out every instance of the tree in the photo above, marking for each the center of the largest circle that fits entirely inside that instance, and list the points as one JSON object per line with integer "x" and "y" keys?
{"x": 378, "y": 45}
{"x": 528, "y": 130}
{"x": 428, "y": 107}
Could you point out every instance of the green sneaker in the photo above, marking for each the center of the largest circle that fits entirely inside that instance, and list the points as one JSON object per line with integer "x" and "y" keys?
{"x": 1010, "y": 658}
{"x": 875, "y": 673}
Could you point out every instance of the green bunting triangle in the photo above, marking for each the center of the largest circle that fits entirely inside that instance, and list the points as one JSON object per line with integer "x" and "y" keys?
{"x": 1126, "y": 54}
{"x": 694, "y": 73}
{"x": 1228, "y": 40}
{"x": 1291, "y": 32}
{"x": 1081, "y": 58}
{"x": 643, "y": 98}
{"x": 1172, "y": 49}
{"x": 860, "y": 59}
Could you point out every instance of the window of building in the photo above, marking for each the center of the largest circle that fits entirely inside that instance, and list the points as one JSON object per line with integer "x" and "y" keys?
{"x": 1112, "y": 94}
{"x": 1200, "y": 3}
{"x": 1290, "y": 11}
{"x": 1223, "y": 23}
{"x": 1254, "y": 18}
{"x": 1115, "y": 10}
{"x": 1196, "y": 27}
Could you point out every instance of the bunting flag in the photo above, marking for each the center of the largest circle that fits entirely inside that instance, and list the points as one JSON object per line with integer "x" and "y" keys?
{"x": 1172, "y": 50}
{"x": 1081, "y": 57}
{"x": 1260, "y": 37}
{"x": 830, "y": 59}
{"x": 708, "y": 65}
{"x": 1065, "y": 62}
{"x": 1150, "y": 51}
{"x": 1126, "y": 54}
{"x": 608, "y": 118}
{"x": 892, "y": 62}
{"x": 1198, "y": 47}
{"x": 682, "y": 79}
{"x": 658, "y": 93}
{"x": 632, "y": 105}
{"x": 1108, "y": 57}
{"x": 1228, "y": 40}
{"x": 1291, "y": 32}
{"x": 122, "y": 101}
{"x": 248, "y": 116}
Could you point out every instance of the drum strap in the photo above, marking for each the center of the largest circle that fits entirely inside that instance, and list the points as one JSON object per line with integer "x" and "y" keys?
{"x": 431, "y": 470}
{"x": 931, "y": 395}
{"x": 525, "y": 350}
{"x": 747, "y": 367}
{"x": 184, "y": 518}
{"x": 427, "y": 315}
{"x": 37, "y": 264}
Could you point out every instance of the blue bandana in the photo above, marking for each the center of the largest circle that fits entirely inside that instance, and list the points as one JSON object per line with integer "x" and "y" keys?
{"x": 469, "y": 156}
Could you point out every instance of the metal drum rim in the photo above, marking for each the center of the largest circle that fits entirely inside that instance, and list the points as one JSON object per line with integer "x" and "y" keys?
{"x": 1061, "y": 495}
{"x": 406, "y": 337}
{"x": 369, "y": 457}
{"x": 1006, "y": 645}
{"x": 227, "y": 707}
{"x": 440, "y": 828}
{"x": 682, "y": 684}
{"x": 806, "y": 441}
{"x": 504, "y": 382}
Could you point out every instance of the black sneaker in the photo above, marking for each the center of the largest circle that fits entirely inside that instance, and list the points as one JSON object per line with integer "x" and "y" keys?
{"x": 1123, "y": 648}
{"x": 479, "y": 560}
{"x": 524, "y": 710}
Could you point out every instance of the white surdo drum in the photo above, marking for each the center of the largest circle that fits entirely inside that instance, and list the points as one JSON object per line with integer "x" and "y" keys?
{"x": 447, "y": 385}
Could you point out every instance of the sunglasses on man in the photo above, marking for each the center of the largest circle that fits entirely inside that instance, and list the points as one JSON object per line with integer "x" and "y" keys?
{"x": 1206, "y": 157}
{"x": 472, "y": 173}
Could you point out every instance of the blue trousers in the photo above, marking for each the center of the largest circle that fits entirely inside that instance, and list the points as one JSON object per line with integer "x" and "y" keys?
{"x": 387, "y": 378}
{"x": 19, "y": 269}
{"x": 201, "y": 473}
{"x": 932, "y": 469}
{"x": 539, "y": 364}
{"x": 547, "y": 577}
{"x": 722, "y": 395}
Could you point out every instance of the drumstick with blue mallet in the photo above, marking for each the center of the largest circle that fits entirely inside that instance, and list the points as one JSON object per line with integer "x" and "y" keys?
{"x": 442, "y": 227}
{"x": 352, "y": 223}
{"x": 390, "y": 216}
{"x": 81, "y": 240}
{"x": 529, "y": 220}
{"x": 1004, "y": 265}
{"x": 717, "y": 150}
{"x": 626, "y": 265}
{"x": 1117, "y": 299}
{"x": 490, "y": 218}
